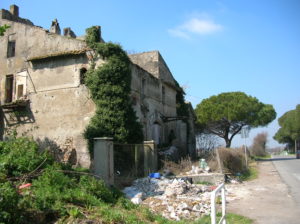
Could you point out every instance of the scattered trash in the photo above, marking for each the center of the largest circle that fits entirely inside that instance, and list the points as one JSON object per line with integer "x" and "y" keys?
{"x": 167, "y": 173}
{"x": 154, "y": 175}
{"x": 202, "y": 164}
{"x": 198, "y": 170}
{"x": 24, "y": 186}
{"x": 171, "y": 153}
{"x": 232, "y": 180}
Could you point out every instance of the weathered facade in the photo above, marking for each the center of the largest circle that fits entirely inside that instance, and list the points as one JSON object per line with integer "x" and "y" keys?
{"x": 43, "y": 93}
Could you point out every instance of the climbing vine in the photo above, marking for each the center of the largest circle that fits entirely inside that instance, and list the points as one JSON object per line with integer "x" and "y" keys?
{"x": 109, "y": 85}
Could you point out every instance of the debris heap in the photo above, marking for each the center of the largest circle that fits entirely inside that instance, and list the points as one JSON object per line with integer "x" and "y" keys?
{"x": 174, "y": 198}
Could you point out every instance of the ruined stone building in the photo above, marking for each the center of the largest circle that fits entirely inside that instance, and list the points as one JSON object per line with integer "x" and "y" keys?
{"x": 43, "y": 95}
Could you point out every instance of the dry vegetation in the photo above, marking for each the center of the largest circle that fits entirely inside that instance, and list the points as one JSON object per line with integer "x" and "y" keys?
{"x": 258, "y": 147}
{"x": 231, "y": 160}
{"x": 184, "y": 165}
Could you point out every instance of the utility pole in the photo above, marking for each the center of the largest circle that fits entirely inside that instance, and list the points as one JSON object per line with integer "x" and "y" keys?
{"x": 245, "y": 134}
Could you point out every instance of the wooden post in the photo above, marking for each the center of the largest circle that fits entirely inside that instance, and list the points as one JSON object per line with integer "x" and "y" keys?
{"x": 219, "y": 161}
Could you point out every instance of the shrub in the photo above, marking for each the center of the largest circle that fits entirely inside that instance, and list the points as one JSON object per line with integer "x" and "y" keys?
{"x": 54, "y": 185}
{"x": 20, "y": 156}
{"x": 258, "y": 147}
{"x": 8, "y": 203}
{"x": 232, "y": 160}
{"x": 183, "y": 165}
{"x": 97, "y": 188}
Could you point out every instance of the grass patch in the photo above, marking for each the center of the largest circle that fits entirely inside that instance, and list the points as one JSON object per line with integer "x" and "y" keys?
{"x": 230, "y": 219}
{"x": 268, "y": 156}
{"x": 251, "y": 173}
{"x": 204, "y": 183}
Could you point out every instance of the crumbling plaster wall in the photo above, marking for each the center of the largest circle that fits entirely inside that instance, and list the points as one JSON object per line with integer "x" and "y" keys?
{"x": 153, "y": 63}
{"x": 148, "y": 102}
{"x": 31, "y": 41}
{"x": 60, "y": 107}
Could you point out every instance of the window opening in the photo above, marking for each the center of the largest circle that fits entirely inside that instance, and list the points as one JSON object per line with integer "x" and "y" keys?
{"x": 82, "y": 75}
{"x": 20, "y": 91}
{"x": 9, "y": 84}
{"x": 11, "y": 48}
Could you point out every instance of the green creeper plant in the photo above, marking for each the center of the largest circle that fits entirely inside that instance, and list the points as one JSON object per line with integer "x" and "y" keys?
{"x": 181, "y": 107}
{"x": 3, "y": 29}
{"x": 227, "y": 113}
{"x": 109, "y": 85}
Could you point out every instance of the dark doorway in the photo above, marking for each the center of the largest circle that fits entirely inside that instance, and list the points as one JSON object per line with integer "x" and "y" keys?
{"x": 9, "y": 85}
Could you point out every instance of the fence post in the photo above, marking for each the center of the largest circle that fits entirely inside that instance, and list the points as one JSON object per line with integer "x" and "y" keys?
{"x": 221, "y": 188}
{"x": 136, "y": 159}
{"x": 223, "y": 205}
{"x": 213, "y": 207}
{"x": 104, "y": 159}
{"x": 219, "y": 160}
{"x": 151, "y": 155}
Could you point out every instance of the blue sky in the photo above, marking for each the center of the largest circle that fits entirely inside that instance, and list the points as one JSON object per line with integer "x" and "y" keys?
{"x": 210, "y": 46}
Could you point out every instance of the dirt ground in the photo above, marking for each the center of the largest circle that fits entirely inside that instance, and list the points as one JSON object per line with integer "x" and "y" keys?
{"x": 265, "y": 199}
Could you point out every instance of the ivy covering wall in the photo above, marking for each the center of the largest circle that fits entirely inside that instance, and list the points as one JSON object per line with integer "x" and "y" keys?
{"x": 182, "y": 108}
{"x": 110, "y": 87}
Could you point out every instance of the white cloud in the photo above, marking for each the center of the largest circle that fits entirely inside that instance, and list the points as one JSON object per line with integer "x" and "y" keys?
{"x": 198, "y": 26}
{"x": 178, "y": 33}
{"x": 201, "y": 26}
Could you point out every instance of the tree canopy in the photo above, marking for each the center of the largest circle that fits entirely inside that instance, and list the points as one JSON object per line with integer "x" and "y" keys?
{"x": 227, "y": 113}
{"x": 289, "y": 127}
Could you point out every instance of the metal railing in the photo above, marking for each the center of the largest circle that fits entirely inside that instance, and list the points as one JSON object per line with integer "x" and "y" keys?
{"x": 214, "y": 193}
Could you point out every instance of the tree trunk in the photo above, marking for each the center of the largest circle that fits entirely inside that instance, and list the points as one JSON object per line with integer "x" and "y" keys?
{"x": 227, "y": 139}
{"x": 228, "y": 143}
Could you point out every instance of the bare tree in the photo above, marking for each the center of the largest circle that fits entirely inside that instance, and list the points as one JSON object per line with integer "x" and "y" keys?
{"x": 207, "y": 142}
{"x": 259, "y": 144}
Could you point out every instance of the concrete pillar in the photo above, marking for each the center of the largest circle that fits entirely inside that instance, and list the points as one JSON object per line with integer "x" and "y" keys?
{"x": 104, "y": 159}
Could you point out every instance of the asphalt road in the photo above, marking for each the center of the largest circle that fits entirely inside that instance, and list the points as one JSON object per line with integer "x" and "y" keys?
{"x": 288, "y": 168}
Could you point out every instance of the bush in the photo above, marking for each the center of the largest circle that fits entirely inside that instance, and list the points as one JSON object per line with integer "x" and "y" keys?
{"x": 258, "y": 147}
{"x": 232, "y": 160}
{"x": 54, "y": 185}
{"x": 8, "y": 203}
{"x": 183, "y": 165}
{"x": 20, "y": 156}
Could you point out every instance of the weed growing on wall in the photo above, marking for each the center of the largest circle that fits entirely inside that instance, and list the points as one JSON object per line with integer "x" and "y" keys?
{"x": 109, "y": 85}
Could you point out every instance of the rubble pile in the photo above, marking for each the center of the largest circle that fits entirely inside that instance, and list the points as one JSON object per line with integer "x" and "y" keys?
{"x": 174, "y": 198}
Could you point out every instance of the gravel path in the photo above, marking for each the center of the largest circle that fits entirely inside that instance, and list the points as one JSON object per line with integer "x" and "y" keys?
{"x": 265, "y": 199}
